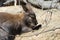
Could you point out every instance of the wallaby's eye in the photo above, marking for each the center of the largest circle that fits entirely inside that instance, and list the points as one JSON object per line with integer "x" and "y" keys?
{"x": 31, "y": 16}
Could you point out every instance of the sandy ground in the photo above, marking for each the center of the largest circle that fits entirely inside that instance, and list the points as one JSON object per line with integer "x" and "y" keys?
{"x": 50, "y": 21}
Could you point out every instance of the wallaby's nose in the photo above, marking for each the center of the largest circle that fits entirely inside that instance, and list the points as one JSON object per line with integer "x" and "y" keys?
{"x": 37, "y": 27}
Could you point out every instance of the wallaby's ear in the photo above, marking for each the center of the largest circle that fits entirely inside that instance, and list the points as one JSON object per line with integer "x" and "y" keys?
{"x": 29, "y": 9}
{"x": 23, "y": 4}
{"x": 28, "y": 6}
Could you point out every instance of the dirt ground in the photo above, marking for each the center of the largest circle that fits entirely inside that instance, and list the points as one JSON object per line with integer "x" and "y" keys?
{"x": 49, "y": 19}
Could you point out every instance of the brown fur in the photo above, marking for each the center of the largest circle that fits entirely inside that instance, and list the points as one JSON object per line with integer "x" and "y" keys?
{"x": 12, "y": 18}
